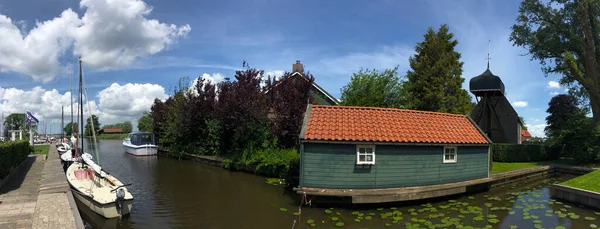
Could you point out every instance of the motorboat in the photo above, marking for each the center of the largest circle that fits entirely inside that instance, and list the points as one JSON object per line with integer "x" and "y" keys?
{"x": 140, "y": 144}
{"x": 98, "y": 190}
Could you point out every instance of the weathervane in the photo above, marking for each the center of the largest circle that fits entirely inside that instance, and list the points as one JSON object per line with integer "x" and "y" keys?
{"x": 488, "y": 58}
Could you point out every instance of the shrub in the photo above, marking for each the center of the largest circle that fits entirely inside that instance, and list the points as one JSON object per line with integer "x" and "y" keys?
{"x": 520, "y": 153}
{"x": 273, "y": 161}
{"x": 12, "y": 154}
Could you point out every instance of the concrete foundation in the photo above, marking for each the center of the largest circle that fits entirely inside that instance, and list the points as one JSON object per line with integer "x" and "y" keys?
{"x": 575, "y": 195}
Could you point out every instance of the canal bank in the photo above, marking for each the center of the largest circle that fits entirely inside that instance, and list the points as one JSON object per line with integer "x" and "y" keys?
{"x": 37, "y": 196}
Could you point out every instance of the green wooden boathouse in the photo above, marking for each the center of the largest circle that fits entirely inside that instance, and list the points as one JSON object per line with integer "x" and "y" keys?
{"x": 384, "y": 152}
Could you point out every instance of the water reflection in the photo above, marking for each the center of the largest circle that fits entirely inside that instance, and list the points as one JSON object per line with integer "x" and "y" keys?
{"x": 170, "y": 193}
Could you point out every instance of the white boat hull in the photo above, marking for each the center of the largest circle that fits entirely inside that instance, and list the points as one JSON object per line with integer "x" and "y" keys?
{"x": 106, "y": 210}
{"x": 143, "y": 150}
{"x": 96, "y": 189}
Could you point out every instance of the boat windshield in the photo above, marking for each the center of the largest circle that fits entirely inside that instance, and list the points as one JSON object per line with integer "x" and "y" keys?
{"x": 142, "y": 139}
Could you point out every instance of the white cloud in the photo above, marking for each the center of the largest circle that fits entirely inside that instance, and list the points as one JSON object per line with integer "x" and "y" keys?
{"x": 554, "y": 93}
{"x": 275, "y": 73}
{"x": 536, "y": 130}
{"x": 44, "y": 104}
{"x": 215, "y": 78}
{"x": 127, "y": 102}
{"x": 519, "y": 104}
{"x": 117, "y": 103}
{"x": 114, "y": 33}
{"x": 36, "y": 54}
{"x": 553, "y": 84}
{"x": 110, "y": 34}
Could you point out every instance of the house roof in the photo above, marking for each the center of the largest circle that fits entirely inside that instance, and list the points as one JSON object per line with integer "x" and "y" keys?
{"x": 319, "y": 88}
{"x": 525, "y": 133}
{"x": 112, "y": 130}
{"x": 371, "y": 124}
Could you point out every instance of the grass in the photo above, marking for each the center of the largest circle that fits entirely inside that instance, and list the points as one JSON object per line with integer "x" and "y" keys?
{"x": 590, "y": 181}
{"x": 41, "y": 149}
{"x": 500, "y": 167}
{"x": 109, "y": 136}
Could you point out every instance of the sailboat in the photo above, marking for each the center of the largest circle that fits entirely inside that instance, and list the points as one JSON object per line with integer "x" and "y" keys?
{"x": 62, "y": 147}
{"x": 94, "y": 187}
{"x": 68, "y": 152}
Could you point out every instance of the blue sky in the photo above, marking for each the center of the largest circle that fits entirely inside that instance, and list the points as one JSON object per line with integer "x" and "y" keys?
{"x": 332, "y": 39}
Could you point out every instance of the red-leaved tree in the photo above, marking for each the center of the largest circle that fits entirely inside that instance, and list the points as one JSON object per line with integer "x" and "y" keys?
{"x": 288, "y": 99}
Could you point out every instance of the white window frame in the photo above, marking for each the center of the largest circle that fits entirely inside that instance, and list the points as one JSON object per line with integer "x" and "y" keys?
{"x": 358, "y": 161}
{"x": 455, "y": 154}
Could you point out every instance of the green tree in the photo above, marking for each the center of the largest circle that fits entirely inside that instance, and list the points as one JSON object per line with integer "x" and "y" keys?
{"x": 145, "y": 122}
{"x": 88, "y": 125}
{"x": 561, "y": 109}
{"x": 564, "y": 36}
{"x": 374, "y": 89}
{"x": 15, "y": 121}
{"x": 68, "y": 130}
{"x": 435, "y": 82}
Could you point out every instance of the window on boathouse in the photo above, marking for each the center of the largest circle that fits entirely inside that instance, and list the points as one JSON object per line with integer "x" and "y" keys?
{"x": 449, "y": 154}
{"x": 365, "y": 154}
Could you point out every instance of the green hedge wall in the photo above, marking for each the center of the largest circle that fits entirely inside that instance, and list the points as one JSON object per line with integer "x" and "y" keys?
{"x": 11, "y": 155}
{"x": 523, "y": 153}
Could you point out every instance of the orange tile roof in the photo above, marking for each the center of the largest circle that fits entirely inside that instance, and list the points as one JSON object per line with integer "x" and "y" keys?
{"x": 113, "y": 130}
{"x": 525, "y": 133}
{"x": 348, "y": 123}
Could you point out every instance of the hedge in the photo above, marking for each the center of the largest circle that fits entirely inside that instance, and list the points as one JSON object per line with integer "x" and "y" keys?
{"x": 523, "y": 153}
{"x": 11, "y": 155}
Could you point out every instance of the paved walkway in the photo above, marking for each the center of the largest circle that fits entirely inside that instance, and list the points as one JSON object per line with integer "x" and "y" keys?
{"x": 54, "y": 210}
{"x": 18, "y": 198}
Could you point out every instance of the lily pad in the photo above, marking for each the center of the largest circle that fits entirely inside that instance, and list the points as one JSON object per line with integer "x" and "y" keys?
{"x": 334, "y": 218}
{"x": 493, "y": 220}
{"x": 574, "y": 216}
{"x": 310, "y": 221}
{"x": 589, "y": 218}
{"x": 339, "y": 224}
{"x": 368, "y": 217}
{"x": 513, "y": 226}
{"x": 593, "y": 226}
{"x": 328, "y": 211}
{"x": 559, "y": 227}
{"x": 283, "y": 209}
{"x": 357, "y": 220}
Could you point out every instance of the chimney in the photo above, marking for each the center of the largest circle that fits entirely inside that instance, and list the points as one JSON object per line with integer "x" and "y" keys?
{"x": 298, "y": 67}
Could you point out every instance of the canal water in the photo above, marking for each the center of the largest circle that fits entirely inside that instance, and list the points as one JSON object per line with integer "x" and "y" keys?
{"x": 171, "y": 193}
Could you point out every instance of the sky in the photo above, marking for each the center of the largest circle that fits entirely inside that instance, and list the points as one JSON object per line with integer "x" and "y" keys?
{"x": 135, "y": 51}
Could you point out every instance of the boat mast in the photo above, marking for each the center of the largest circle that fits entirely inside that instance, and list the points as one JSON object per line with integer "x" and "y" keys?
{"x": 80, "y": 102}
{"x": 62, "y": 122}
{"x": 71, "y": 74}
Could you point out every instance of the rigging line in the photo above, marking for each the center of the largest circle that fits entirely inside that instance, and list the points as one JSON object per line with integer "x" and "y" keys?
{"x": 93, "y": 129}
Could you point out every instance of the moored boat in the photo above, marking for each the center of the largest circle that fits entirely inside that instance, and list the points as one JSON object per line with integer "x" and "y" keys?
{"x": 140, "y": 144}
{"x": 98, "y": 190}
